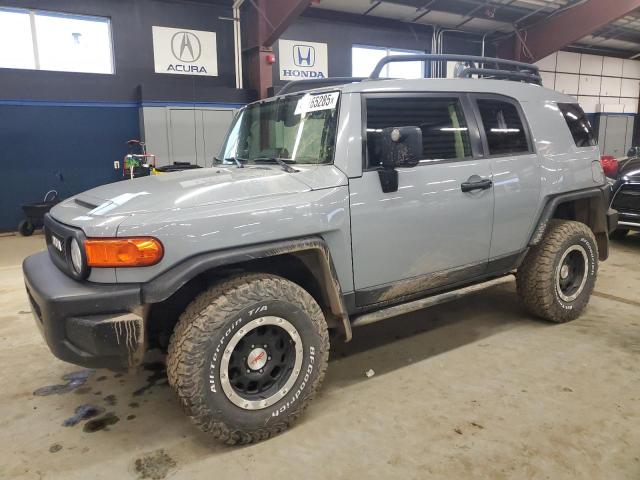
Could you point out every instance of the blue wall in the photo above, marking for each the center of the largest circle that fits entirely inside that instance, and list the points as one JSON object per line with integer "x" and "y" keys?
{"x": 77, "y": 124}
{"x": 39, "y": 142}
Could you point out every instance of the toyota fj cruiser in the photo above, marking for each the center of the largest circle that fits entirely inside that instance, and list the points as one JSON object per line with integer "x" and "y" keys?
{"x": 328, "y": 209}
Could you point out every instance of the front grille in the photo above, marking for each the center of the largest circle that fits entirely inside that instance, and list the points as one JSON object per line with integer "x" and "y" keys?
{"x": 58, "y": 237}
{"x": 628, "y": 198}
{"x": 54, "y": 251}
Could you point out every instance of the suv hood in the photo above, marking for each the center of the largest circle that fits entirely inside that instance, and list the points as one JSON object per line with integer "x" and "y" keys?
{"x": 178, "y": 190}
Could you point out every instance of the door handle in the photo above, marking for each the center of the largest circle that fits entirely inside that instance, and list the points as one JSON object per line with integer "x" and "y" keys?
{"x": 483, "y": 184}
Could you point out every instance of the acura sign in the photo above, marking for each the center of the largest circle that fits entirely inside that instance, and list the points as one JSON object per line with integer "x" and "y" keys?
{"x": 184, "y": 52}
{"x": 302, "y": 60}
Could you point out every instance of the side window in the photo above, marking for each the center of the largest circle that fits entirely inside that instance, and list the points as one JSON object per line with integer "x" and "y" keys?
{"x": 503, "y": 127}
{"x": 445, "y": 134}
{"x": 578, "y": 124}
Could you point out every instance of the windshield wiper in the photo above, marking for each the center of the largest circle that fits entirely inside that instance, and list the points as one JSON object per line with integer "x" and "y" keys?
{"x": 230, "y": 159}
{"x": 285, "y": 166}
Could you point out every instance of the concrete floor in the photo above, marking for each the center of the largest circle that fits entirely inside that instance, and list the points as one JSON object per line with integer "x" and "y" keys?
{"x": 474, "y": 388}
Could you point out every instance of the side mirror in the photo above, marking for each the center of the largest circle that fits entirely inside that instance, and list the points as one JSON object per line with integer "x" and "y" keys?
{"x": 399, "y": 147}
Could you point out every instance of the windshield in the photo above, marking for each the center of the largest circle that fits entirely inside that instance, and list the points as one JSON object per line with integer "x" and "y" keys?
{"x": 295, "y": 129}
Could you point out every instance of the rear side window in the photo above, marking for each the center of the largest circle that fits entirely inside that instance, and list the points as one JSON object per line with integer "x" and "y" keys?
{"x": 503, "y": 127}
{"x": 445, "y": 134}
{"x": 578, "y": 124}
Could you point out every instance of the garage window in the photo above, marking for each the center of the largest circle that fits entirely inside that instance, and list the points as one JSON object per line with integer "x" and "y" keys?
{"x": 578, "y": 124}
{"x": 503, "y": 127}
{"x": 364, "y": 59}
{"x": 38, "y": 40}
{"x": 445, "y": 135}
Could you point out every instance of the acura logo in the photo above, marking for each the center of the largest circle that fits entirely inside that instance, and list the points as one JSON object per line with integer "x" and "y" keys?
{"x": 304, "y": 55}
{"x": 186, "y": 47}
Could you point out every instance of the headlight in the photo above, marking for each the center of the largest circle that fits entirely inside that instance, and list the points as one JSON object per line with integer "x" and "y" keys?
{"x": 76, "y": 256}
{"x": 123, "y": 252}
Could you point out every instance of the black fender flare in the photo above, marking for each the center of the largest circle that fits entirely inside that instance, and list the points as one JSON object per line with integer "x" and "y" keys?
{"x": 601, "y": 219}
{"x": 312, "y": 251}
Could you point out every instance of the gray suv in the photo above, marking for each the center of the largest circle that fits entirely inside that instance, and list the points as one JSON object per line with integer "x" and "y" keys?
{"x": 327, "y": 209}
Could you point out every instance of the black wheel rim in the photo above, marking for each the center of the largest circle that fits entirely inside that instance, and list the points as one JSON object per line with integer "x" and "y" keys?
{"x": 261, "y": 362}
{"x": 571, "y": 273}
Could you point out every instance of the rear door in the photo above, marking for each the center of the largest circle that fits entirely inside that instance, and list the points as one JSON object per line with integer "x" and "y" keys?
{"x": 429, "y": 232}
{"x": 509, "y": 149}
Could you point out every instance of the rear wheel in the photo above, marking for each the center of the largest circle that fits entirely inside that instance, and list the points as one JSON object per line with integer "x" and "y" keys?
{"x": 619, "y": 234}
{"x": 247, "y": 356}
{"x": 557, "y": 276}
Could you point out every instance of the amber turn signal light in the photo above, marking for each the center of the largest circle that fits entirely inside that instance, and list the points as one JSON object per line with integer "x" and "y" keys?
{"x": 123, "y": 252}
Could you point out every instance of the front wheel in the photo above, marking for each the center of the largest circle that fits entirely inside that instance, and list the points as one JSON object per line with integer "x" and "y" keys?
{"x": 557, "y": 276}
{"x": 247, "y": 356}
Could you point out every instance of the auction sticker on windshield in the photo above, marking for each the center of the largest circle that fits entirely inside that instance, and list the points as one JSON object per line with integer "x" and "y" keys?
{"x": 313, "y": 103}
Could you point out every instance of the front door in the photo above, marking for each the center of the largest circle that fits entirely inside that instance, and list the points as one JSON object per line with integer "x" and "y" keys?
{"x": 436, "y": 228}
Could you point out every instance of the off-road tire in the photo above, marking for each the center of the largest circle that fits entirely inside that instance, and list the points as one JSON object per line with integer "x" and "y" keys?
{"x": 536, "y": 277}
{"x": 619, "y": 234}
{"x": 209, "y": 321}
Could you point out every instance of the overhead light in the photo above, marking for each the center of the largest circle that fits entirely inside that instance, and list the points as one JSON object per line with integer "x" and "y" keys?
{"x": 634, "y": 56}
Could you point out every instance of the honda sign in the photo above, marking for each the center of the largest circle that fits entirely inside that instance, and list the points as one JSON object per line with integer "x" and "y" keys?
{"x": 302, "y": 60}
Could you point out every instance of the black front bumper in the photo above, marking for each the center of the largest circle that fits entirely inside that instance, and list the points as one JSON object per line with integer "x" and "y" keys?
{"x": 89, "y": 324}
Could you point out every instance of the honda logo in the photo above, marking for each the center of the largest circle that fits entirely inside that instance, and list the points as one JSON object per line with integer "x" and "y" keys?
{"x": 304, "y": 55}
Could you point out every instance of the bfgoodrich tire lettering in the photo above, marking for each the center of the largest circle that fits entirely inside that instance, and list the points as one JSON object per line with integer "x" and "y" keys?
{"x": 541, "y": 277}
{"x": 204, "y": 330}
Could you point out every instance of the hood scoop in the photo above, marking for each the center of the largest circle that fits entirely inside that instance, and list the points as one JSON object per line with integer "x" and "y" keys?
{"x": 84, "y": 203}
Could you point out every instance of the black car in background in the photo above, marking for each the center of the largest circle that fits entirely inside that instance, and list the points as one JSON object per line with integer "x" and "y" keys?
{"x": 625, "y": 186}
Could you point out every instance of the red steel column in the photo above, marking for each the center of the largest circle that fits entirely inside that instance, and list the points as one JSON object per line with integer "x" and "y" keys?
{"x": 265, "y": 21}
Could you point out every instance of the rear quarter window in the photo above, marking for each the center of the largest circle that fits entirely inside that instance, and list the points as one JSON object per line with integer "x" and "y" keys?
{"x": 503, "y": 127}
{"x": 578, "y": 124}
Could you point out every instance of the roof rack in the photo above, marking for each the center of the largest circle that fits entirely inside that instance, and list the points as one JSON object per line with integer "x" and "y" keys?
{"x": 504, "y": 69}
{"x": 298, "y": 85}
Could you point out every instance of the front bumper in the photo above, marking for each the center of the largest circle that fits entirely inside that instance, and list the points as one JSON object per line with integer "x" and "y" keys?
{"x": 89, "y": 324}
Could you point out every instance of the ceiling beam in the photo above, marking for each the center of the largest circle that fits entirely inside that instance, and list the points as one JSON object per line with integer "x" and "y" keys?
{"x": 547, "y": 36}
{"x": 270, "y": 18}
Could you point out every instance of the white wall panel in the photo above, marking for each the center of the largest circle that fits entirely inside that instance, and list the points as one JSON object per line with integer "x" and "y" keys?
{"x": 591, "y": 64}
{"x": 548, "y": 79}
{"x": 630, "y": 105}
{"x": 589, "y": 104}
{"x": 589, "y": 85}
{"x": 568, "y": 62}
{"x": 548, "y": 63}
{"x": 612, "y": 67}
{"x": 567, "y": 83}
{"x": 630, "y": 88}
{"x": 611, "y": 105}
{"x": 610, "y": 87}
{"x": 631, "y": 69}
